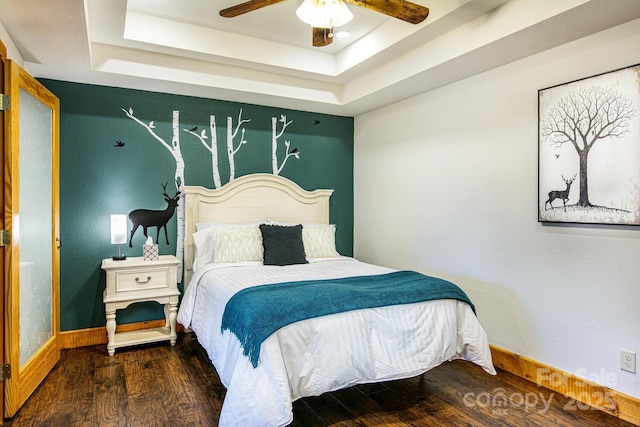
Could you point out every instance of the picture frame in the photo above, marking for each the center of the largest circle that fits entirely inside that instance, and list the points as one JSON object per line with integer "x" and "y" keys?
{"x": 589, "y": 150}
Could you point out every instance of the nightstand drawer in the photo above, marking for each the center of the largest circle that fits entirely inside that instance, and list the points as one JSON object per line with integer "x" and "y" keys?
{"x": 137, "y": 280}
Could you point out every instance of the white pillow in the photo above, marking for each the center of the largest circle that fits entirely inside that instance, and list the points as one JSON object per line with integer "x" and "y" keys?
{"x": 227, "y": 243}
{"x": 204, "y": 247}
{"x": 203, "y": 225}
{"x": 238, "y": 244}
{"x": 319, "y": 240}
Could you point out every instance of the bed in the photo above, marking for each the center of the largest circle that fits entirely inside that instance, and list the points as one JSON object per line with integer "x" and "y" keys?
{"x": 251, "y": 317}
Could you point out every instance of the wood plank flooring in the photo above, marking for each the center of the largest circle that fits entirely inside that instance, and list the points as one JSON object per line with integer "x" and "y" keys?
{"x": 159, "y": 385}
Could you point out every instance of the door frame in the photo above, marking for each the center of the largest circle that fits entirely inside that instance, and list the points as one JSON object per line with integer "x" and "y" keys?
{"x": 3, "y": 60}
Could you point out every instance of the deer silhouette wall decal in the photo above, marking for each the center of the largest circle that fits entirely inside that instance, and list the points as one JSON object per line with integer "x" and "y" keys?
{"x": 148, "y": 218}
{"x": 560, "y": 194}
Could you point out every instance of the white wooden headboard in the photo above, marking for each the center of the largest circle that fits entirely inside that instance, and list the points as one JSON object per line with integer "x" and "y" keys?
{"x": 249, "y": 199}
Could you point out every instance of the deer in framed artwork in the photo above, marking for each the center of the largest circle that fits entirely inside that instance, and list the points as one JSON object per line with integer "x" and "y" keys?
{"x": 154, "y": 218}
{"x": 560, "y": 194}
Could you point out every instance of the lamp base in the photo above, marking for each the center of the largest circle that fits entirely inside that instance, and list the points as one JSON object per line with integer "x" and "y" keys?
{"x": 119, "y": 257}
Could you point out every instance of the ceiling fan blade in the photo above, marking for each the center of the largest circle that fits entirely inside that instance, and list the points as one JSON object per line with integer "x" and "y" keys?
{"x": 401, "y": 9}
{"x": 245, "y": 7}
{"x": 322, "y": 36}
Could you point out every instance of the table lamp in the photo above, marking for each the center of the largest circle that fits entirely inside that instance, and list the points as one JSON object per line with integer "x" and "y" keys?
{"x": 119, "y": 233}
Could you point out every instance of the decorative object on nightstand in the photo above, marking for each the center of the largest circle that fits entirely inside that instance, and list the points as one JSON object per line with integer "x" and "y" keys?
{"x": 119, "y": 233}
{"x": 150, "y": 252}
{"x": 136, "y": 280}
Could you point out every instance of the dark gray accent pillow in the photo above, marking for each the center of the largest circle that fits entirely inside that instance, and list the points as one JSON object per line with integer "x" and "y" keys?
{"x": 282, "y": 244}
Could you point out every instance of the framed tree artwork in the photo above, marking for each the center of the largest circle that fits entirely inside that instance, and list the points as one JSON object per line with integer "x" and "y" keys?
{"x": 589, "y": 150}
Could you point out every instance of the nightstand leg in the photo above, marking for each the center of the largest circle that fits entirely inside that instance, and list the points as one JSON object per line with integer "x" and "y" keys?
{"x": 166, "y": 316}
{"x": 173, "y": 314}
{"x": 111, "y": 331}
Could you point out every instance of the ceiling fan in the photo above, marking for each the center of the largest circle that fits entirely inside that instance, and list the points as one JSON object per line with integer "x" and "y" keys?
{"x": 322, "y": 30}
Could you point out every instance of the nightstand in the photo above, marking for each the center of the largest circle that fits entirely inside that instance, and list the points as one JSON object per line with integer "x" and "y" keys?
{"x": 135, "y": 280}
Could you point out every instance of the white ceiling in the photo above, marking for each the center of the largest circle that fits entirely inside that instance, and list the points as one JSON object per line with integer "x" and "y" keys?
{"x": 265, "y": 57}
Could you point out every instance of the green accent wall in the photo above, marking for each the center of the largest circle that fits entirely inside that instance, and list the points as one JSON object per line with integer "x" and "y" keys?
{"x": 98, "y": 179}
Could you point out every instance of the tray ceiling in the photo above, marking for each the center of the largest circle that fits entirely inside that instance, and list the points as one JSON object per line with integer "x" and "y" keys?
{"x": 265, "y": 57}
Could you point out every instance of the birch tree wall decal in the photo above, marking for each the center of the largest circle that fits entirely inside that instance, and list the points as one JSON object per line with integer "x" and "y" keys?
{"x": 174, "y": 149}
{"x": 274, "y": 144}
{"x": 231, "y": 134}
{"x": 213, "y": 148}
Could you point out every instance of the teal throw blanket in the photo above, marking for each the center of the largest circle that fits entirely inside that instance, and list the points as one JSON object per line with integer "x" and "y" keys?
{"x": 253, "y": 314}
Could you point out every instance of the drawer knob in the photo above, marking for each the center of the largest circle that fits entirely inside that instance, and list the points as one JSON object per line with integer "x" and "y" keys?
{"x": 139, "y": 282}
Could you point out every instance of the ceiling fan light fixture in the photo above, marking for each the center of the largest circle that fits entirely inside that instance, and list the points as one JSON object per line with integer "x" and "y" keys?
{"x": 324, "y": 13}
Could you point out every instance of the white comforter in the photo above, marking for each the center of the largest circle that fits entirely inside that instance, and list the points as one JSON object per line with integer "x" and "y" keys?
{"x": 314, "y": 356}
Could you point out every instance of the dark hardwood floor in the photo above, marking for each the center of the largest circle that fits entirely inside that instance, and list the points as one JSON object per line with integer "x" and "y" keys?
{"x": 159, "y": 385}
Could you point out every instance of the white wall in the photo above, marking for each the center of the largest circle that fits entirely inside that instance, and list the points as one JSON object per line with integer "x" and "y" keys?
{"x": 446, "y": 184}
{"x": 12, "y": 51}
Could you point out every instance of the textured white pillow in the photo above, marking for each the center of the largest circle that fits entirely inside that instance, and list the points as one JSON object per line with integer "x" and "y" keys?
{"x": 227, "y": 243}
{"x": 237, "y": 244}
{"x": 319, "y": 240}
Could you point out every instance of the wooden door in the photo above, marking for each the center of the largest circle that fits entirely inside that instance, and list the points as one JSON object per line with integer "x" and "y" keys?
{"x": 32, "y": 302}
